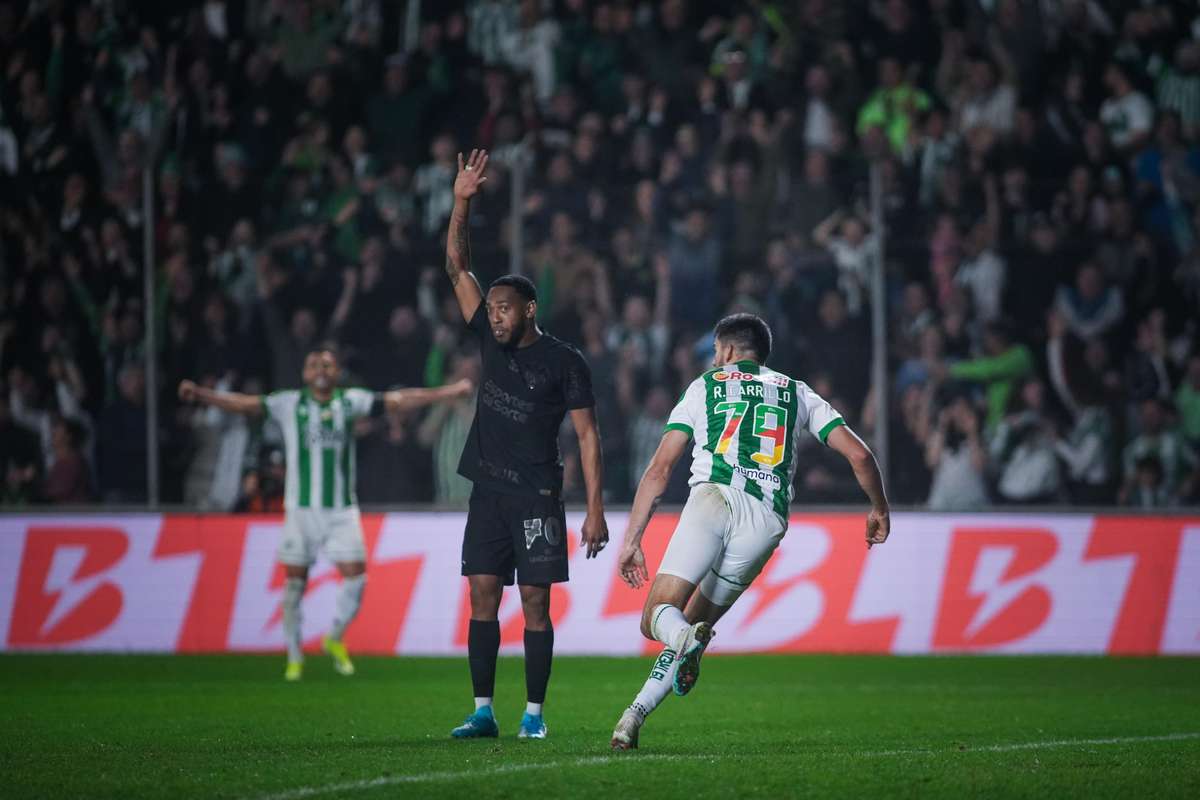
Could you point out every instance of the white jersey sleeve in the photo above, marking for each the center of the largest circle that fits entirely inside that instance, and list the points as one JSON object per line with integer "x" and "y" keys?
{"x": 822, "y": 418}
{"x": 281, "y": 406}
{"x": 689, "y": 413}
{"x": 360, "y": 402}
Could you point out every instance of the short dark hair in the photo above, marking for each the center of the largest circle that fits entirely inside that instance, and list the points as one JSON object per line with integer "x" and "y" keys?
{"x": 522, "y": 285}
{"x": 748, "y": 333}
{"x": 326, "y": 347}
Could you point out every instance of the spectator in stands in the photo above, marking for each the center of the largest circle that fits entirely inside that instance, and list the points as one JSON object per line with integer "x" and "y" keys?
{"x": 838, "y": 347}
{"x": 121, "y": 441}
{"x": 20, "y": 457}
{"x": 987, "y": 101}
{"x": 1021, "y": 450}
{"x": 694, "y": 255}
{"x": 1004, "y": 362}
{"x": 69, "y": 480}
{"x": 530, "y": 48}
{"x": 1147, "y": 374}
{"x": 1127, "y": 115}
{"x": 1177, "y": 85}
{"x": 444, "y": 431}
{"x": 396, "y": 116}
{"x": 894, "y": 108}
{"x": 852, "y": 247}
{"x": 262, "y": 486}
{"x": 1091, "y": 307}
{"x": 982, "y": 272}
{"x": 1187, "y": 400}
{"x": 955, "y": 453}
{"x": 220, "y": 441}
{"x": 1088, "y": 450}
{"x": 394, "y": 467}
{"x": 1158, "y": 462}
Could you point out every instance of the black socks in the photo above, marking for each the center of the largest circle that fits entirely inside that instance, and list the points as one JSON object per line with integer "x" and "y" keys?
{"x": 483, "y": 642}
{"x": 539, "y": 652}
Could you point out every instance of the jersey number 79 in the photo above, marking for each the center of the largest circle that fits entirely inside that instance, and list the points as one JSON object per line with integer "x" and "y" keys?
{"x": 770, "y": 426}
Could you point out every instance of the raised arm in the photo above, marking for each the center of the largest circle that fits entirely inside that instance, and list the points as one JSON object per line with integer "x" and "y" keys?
{"x": 866, "y": 471}
{"x": 405, "y": 399}
{"x": 595, "y": 529}
{"x": 632, "y": 562}
{"x": 251, "y": 405}
{"x": 458, "y": 244}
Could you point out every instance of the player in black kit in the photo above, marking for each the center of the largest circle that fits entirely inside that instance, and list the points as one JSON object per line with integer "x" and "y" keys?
{"x": 516, "y": 521}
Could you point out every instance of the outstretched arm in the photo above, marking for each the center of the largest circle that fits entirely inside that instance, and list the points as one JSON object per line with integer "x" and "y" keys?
{"x": 458, "y": 243}
{"x": 250, "y": 405}
{"x": 866, "y": 470}
{"x": 405, "y": 399}
{"x": 595, "y": 529}
{"x": 632, "y": 562}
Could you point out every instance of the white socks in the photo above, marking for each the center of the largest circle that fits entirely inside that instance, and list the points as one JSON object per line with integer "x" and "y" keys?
{"x": 348, "y": 601}
{"x": 533, "y": 708}
{"x": 480, "y": 702}
{"x": 293, "y": 593}
{"x": 658, "y": 685}
{"x": 665, "y": 623}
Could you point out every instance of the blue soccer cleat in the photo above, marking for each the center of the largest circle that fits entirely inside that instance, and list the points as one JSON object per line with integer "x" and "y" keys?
{"x": 532, "y": 727}
{"x": 480, "y": 725}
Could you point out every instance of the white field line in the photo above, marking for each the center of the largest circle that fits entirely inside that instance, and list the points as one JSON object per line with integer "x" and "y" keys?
{"x": 590, "y": 761}
{"x": 433, "y": 777}
{"x": 1015, "y": 746}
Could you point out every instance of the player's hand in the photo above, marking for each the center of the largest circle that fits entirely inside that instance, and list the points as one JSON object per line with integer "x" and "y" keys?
{"x": 187, "y": 391}
{"x": 470, "y": 175}
{"x": 595, "y": 534}
{"x": 879, "y": 525}
{"x": 463, "y": 387}
{"x": 631, "y": 565}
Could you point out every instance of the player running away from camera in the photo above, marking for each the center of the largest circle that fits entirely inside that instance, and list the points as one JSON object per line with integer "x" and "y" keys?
{"x": 320, "y": 507}
{"x": 516, "y": 523}
{"x": 746, "y": 421}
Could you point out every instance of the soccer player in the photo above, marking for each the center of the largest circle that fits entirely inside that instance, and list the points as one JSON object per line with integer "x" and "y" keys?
{"x": 320, "y": 507}
{"x": 516, "y": 522}
{"x": 746, "y": 420}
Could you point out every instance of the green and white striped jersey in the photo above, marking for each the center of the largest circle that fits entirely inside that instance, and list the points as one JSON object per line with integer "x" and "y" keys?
{"x": 746, "y": 420}
{"x": 319, "y": 443}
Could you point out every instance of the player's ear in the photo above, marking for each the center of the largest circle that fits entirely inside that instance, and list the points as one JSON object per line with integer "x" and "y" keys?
{"x": 531, "y": 309}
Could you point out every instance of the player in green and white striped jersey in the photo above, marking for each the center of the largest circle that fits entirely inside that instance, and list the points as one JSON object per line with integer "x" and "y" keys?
{"x": 320, "y": 506}
{"x": 746, "y": 421}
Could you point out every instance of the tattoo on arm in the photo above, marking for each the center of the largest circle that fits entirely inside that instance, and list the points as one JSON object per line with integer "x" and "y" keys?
{"x": 641, "y": 528}
{"x": 458, "y": 247}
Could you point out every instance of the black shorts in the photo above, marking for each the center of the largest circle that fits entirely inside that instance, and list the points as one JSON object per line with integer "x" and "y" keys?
{"x": 507, "y": 533}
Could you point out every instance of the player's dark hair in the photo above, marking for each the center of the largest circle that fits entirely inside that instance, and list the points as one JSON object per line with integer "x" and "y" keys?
{"x": 748, "y": 333}
{"x": 522, "y": 285}
{"x": 326, "y": 347}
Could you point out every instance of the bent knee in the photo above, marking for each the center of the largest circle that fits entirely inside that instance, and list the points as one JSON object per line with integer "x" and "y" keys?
{"x": 537, "y": 611}
{"x": 485, "y": 600}
{"x": 647, "y": 621}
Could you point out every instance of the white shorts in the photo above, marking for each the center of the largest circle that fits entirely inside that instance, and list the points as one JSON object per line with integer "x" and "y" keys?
{"x": 724, "y": 539}
{"x": 337, "y": 531}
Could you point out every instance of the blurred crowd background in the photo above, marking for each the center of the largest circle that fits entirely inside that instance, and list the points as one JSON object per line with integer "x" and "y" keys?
{"x": 682, "y": 159}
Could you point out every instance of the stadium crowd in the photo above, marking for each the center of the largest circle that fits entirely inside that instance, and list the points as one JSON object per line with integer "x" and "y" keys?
{"x": 1040, "y": 165}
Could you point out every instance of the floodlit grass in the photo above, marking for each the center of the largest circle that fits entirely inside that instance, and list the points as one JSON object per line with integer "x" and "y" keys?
{"x": 765, "y": 726}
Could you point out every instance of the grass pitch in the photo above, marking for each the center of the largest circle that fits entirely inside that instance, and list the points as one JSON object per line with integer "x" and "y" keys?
{"x": 764, "y": 726}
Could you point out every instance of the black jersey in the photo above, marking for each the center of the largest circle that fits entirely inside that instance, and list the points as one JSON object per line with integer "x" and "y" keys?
{"x": 524, "y": 394}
